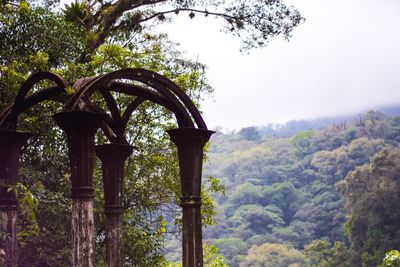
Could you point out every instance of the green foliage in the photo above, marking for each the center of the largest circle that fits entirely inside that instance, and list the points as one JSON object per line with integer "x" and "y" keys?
{"x": 254, "y": 22}
{"x": 255, "y": 218}
{"x": 211, "y": 258}
{"x": 374, "y": 125}
{"x": 25, "y": 32}
{"x": 244, "y": 194}
{"x": 144, "y": 245}
{"x": 208, "y": 211}
{"x": 40, "y": 39}
{"x": 273, "y": 255}
{"x": 231, "y": 248}
{"x": 250, "y": 133}
{"x": 284, "y": 196}
{"x": 320, "y": 253}
{"x": 279, "y": 190}
{"x": 28, "y": 203}
{"x": 75, "y": 12}
{"x": 282, "y": 190}
{"x": 87, "y": 39}
{"x": 392, "y": 259}
{"x": 302, "y": 141}
{"x": 371, "y": 192}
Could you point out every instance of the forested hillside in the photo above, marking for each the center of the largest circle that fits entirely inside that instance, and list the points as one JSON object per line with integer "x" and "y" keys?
{"x": 318, "y": 198}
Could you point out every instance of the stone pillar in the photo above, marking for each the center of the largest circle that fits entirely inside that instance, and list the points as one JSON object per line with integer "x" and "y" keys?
{"x": 113, "y": 157}
{"x": 190, "y": 143}
{"x": 80, "y": 128}
{"x": 11, "y": 143}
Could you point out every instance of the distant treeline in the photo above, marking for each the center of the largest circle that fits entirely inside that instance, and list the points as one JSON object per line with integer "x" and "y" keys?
{"x": 294, "y": 126}
{"x": 324, "y": 196}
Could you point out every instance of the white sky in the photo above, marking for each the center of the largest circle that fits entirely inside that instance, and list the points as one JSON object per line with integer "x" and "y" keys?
{"x": 344, "y": 58}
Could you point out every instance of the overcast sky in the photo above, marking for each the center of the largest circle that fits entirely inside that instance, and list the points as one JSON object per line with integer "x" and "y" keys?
{"x": 344, "y": 58}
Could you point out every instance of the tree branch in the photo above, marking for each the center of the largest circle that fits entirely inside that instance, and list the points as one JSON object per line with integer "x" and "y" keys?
{"x": 177, "y": 10}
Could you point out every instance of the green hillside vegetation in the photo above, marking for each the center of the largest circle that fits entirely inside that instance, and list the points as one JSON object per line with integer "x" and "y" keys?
{"x": 319, "y": 198}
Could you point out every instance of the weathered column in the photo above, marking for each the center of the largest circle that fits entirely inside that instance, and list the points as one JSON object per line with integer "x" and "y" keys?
{"x": 80, "y": 128}
{"x": 11, "y": 143}
{"x": 190, "y": 143}
{"x": 113, "y": 157}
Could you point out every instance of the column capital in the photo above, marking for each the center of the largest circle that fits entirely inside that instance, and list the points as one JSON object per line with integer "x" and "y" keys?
{"x": 189, "y": 136}
{"x": 190, "y": 143}
{"x": 113, "y": 157}
{"x": 80, "y": 127}
{"x": 114, "y": 152}
{"x": 79, "y": 122}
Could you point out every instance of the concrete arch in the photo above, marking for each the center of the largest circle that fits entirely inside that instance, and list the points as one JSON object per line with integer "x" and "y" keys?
{"x": 9, "y": 117}
{"x": 172, "y": 96}
{"x": 80, "y": 121}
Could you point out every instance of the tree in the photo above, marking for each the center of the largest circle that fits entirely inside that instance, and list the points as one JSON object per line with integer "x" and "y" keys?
{"x": 232, "y": 248}
{"x": 273, "y": 255}
{"x": 371, "y": 193}
{"x": 270, "y": 182}
{"x": 44, "y": 166}
{"x": 250, "y": 133}
{"x": 323, "y": 213}
{"x": 392, "y": 259}
{"x": 89, "y": 38}
{"x": 325, "y": 163}
{"x": 254, "y": 21}
{"x": 320, "y": 253}
{"x": 245, "y": 194}
{"x": 211, "y": 258}
{"x": 302, "y": 141}
{"x": 334, "y": 165}
{"x": 285, "y": 196}
{"x": 255, "y": 218}
{"x": 374, "y": 125}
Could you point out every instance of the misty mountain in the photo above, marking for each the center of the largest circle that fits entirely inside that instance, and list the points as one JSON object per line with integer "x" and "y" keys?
{"x": 292, "y": 127}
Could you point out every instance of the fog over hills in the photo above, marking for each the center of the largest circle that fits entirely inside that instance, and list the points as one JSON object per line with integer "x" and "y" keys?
{"x": 294, "y": 126}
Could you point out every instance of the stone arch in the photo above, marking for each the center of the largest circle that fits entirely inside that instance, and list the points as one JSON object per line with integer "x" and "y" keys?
{"x": 80, "y": 120}
{"x": 22, "y": 102}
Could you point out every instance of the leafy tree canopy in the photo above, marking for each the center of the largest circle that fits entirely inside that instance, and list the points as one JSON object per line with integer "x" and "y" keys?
{"x": 371, "y": 192}
{"x": 331, "y": 192}
{"x": 87, "y": 38}
{"x": 253, "y": 21}
{"x": 277, "y": 255}
{"x": 38, "y": 39}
